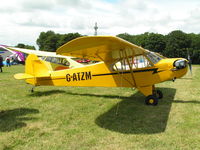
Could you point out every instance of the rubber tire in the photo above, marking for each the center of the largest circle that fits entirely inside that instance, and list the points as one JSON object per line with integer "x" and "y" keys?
{"x": 150, "y": 98}
{"x": 159, "y": 94}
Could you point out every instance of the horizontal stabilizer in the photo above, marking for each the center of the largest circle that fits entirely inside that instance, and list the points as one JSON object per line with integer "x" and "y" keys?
{"x": 23, "y": 76}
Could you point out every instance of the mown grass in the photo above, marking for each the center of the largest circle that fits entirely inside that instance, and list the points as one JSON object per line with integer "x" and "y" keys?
{"x": 98, "y": 118}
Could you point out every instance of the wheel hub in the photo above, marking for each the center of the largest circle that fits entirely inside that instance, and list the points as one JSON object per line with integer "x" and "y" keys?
{"x": 151, "y": 101}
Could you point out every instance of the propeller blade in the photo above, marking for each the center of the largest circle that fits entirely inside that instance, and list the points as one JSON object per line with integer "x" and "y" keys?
{"x": 190, "y": 67}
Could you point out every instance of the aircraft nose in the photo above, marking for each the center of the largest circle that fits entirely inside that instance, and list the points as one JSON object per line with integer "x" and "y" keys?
{"x": 180, "y": 64}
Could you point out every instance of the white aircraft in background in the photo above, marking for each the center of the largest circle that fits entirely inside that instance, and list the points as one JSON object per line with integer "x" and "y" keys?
{"x": 54, "y": 62}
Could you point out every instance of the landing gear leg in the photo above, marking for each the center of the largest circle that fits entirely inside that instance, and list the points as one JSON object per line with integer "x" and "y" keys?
{"x": 152, "y": 94}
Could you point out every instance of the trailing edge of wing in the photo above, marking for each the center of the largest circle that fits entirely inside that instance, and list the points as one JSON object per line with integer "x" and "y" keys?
{"x": 29, "y": 51}
{"x": 36, "y": 52}
{"x": 100, "y": 48}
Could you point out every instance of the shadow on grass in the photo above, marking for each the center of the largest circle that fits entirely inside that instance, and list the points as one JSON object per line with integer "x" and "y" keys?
{"x": 13, "y": 119}
{"x": 186, "y": 78}
{"x": 191, "y": 102}
{"x": 134, "y": 117}
{"x": 45, "y": 93}
{"x": 95, "y": 95}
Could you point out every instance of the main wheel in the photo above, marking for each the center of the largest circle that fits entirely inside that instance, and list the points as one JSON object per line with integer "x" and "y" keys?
{"x": 159, "y": 94}
{"x": 151, "y": 100}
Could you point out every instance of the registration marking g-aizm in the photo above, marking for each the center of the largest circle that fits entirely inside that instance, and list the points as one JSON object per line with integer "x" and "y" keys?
{"x": 79, "y": 76}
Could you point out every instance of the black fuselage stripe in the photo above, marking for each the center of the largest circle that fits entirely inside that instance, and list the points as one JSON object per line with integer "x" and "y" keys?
{"x": 105, "y": 74}
{"x": 50, "y": 79}
{"x": 135, "y": 71}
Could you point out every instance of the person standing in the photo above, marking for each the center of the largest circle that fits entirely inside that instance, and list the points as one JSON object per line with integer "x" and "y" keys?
{"x": 8, "y": 61}
{"x": 1, "y": 63}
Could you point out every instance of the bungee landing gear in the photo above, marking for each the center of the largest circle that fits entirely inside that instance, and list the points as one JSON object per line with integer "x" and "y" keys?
{"x": 152, "y": 95}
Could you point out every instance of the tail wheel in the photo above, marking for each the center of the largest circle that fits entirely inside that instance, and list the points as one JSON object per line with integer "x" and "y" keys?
{"x": 151, "y": 100}
{"x": 159, "y": 94}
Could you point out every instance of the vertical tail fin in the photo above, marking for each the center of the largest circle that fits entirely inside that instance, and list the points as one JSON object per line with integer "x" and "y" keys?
{"x": 34, "y": 68}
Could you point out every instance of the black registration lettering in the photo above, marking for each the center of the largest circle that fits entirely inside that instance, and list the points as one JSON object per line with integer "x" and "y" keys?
{"x": 74, "y": 77}
{"x": 68, "y": 77}
{"x": 88, "y": 76}
{"x": 82, "y": 75}
{"x": 79, "y": 76}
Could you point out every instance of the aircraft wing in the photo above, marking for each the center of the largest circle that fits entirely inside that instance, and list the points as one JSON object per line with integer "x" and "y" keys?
{"x": 28, "y": 51}
{"x": 4, "y": 47}
{"x": 36, "y": 52}
{"x": 15, "y": 54}
{"x": 100, "y": 48}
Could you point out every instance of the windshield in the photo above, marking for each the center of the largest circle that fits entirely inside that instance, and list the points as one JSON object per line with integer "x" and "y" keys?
{"x": 153, "y": 57}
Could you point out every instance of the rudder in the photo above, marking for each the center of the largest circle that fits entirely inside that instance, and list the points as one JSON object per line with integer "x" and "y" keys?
{"x": 34, "y": 68}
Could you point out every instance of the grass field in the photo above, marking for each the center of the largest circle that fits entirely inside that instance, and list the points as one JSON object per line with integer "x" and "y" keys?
{"x": 98, "y": 118}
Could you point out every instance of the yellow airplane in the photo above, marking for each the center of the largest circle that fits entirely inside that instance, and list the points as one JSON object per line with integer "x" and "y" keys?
{"x": 121, "y": 64}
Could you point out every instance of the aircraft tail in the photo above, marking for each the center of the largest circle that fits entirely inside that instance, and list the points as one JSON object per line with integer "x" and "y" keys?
{"x": 34, "y": 68}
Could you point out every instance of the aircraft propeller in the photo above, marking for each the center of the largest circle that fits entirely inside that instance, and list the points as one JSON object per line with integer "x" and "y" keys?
{"x": 189, "y": 62}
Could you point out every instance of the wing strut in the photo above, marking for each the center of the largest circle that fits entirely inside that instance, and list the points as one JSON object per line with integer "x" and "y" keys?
{"x": 123, "y": 68}
{"x": 131, "y": 68}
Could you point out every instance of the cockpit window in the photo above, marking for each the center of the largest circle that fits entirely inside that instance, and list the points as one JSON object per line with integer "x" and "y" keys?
{"x": 134, "y": 62}
{"x": 153, "y": 57}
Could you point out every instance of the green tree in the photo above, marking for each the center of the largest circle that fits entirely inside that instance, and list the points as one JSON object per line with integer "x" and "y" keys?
{"x": 177, "y": 43}
{"x": 195, "y": 57}
{"x": 195, "y": 43}
{"x": 126, "y": 37}
{"x": 195, "y": 48}
{"x": 151, "y": 41}
{"x": 21, "y": 45}
{"x": 47, "y": 41}
{"x": 155, "y": 42}
{"x": 66, "y": 38}
{"x": 50, "y": 41}
{"x": 140, "y": 39}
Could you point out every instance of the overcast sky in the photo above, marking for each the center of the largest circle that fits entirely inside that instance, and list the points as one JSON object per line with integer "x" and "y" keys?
{"x": 23, "y": 20}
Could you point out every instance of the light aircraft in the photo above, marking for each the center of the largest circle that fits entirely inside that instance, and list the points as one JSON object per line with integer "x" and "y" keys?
{"x": 121, "y": 64}
{"x": 51, "y": 59}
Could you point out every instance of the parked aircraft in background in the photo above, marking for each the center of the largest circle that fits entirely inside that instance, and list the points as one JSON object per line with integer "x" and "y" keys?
{"x": 52, "y": 60}
{"x": 15, "y": 56}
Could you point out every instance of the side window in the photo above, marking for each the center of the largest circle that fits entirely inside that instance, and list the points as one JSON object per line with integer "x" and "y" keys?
{"x": 141, "y": 62}
{"x": 135, "y": 62}
{"x": 57, "y": 60}
{"x": 43, "y": 58}
{"x": 48, "y": 59}
{"x": 54, "y": 60}
{"x": 64, "y": 62}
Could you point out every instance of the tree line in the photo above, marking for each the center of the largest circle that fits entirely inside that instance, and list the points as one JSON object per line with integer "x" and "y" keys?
{"x": 175, "y": 44}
